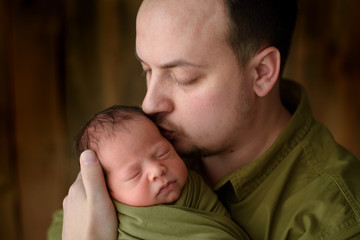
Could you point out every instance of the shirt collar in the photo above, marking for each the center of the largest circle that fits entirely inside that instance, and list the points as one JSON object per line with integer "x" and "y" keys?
{"x": 246, "y": 179}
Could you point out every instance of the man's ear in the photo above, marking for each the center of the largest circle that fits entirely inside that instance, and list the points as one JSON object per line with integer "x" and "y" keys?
{"x": 267, "y": 68}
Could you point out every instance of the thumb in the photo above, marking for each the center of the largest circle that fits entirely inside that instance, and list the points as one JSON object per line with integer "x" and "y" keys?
{"x": 92, "y": 176}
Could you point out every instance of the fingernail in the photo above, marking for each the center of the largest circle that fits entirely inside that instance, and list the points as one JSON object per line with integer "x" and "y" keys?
{"x": 87, "y": 157}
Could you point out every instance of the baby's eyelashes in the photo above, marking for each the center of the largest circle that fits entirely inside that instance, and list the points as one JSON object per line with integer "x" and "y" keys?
{"x": 163, "y": 154}
{"x": 133, "y": 175}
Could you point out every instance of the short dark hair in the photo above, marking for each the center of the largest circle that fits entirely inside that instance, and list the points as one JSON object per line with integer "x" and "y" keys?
{"x": 104, "y": 124}
{"x": 257, "y": 23}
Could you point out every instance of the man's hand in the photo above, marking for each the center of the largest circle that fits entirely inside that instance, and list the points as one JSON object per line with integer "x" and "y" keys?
{"x": 89, "y": 212}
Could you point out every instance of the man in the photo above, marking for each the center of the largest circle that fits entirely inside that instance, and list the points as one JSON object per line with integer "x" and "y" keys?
{"x": 212, "y": 70}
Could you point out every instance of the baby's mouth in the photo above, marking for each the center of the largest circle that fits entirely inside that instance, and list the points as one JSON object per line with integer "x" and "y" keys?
{"x": 167, "y": 187}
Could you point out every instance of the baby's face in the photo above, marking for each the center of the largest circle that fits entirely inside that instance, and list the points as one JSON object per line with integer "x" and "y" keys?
{"x": 141, "y": 166}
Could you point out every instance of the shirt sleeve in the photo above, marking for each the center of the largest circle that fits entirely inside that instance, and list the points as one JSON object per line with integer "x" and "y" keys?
{"x": 54, "y": 232}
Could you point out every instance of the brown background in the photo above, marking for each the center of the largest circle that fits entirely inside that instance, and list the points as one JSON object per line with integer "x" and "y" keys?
{"x": 63, "y": 60}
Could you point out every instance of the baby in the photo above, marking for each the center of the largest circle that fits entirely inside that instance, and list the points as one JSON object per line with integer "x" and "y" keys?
{"x": 141, "y": 167}
{"x": 155, "y": 196}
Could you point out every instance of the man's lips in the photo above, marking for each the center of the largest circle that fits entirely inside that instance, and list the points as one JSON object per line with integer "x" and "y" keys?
{"x": 167, "y": 133}
{"x": 167, "y": 187}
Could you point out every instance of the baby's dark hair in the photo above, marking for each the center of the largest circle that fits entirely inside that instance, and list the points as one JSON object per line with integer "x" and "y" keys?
{"x": 104, "y": 124}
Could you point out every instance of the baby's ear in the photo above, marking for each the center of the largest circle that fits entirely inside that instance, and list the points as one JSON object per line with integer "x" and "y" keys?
{"x": 267, "y": 68}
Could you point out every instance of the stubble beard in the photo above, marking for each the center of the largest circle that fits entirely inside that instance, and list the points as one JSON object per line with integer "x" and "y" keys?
{"x": 180, "y": 140}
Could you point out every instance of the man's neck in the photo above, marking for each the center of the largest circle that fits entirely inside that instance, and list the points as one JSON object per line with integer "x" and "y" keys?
{"x": 261, "y": 137}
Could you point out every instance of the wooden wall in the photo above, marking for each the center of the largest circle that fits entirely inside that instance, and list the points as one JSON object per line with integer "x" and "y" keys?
{"x": 63, "y": 60}
{"x": 325, "y": 59}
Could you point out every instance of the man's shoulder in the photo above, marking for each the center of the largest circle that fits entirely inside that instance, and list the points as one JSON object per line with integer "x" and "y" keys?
{"x": 312, "y": 190}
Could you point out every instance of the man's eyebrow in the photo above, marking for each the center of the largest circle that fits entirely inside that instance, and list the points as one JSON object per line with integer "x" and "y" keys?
{"x": 174, "y": 63}
{"x": 180, "y": 63}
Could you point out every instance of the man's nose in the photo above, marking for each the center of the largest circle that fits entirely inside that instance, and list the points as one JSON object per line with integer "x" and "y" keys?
{"x": 158, "y": 96}
{"x": 156, "y": 171}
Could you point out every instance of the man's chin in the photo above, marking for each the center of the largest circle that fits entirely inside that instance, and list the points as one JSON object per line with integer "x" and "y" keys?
{"x": 187, "y": 151}
{"x": 182, "y": 149}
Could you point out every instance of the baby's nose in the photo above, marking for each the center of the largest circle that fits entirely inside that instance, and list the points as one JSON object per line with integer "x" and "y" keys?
{"x": 157, "y": 171}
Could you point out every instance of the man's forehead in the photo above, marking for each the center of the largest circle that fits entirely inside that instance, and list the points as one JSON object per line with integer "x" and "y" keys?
{"x": 180, "y": 12}
{"x": 169, "y": 36}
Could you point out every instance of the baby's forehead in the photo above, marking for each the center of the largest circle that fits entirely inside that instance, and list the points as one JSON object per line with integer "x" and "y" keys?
{"x": 139, "y": 127}
{"x": 128, "y": 125}
{"x": 140, "y": 122}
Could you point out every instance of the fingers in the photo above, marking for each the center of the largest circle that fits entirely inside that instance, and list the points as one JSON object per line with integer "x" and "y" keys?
{"x": 89, "y": 212}
{"x": 79, "y": 177}
{"x": 92, "y": 177}
{"x": 76, "y": 190}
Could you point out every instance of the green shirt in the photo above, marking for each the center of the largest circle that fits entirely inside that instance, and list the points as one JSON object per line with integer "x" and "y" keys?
{"x": 306, "y": 186}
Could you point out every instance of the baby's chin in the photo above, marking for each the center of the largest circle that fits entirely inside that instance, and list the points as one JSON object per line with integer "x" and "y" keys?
{"x": 170, "y": 198}
{"x": 173, "y": 197}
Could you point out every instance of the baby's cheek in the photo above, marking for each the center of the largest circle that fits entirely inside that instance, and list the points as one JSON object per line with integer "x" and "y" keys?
{"x": 114, "y": 187}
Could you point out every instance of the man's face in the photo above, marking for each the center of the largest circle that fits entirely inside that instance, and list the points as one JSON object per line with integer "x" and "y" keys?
{"x": 141, "y": 166}
{"x": 196, "y": 89}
